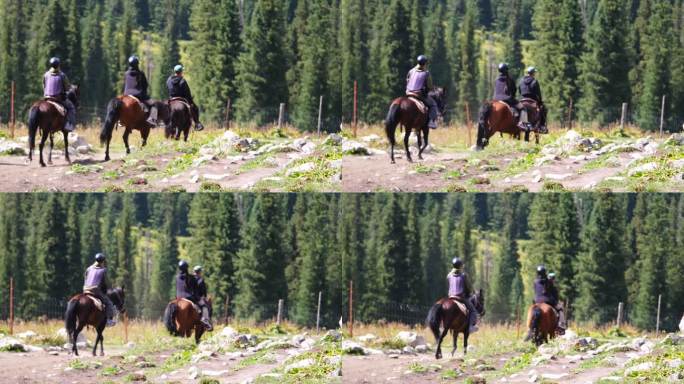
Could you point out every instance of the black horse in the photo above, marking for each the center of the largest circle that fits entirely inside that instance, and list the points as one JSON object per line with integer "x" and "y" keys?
{"x": 81, "y": 311}
{"x": 45, "y": 116}
{"x": 403, "y": 111}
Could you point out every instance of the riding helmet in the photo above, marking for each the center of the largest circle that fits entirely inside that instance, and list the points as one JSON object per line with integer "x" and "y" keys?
{"x": 531, "y": 70}
{"x": 541, "y": 270}
{"x": 503, "y": 68}
{"x": 198, "y": 268}
{"x": 183, "y": 265}
{"x": 178, "y": 69}
{"x": 100, "y": 257}
{"x": 134, "y": 61}
{"x": 457, "y": 263}
{"x": 55, "y": 62}
{"x": 422, "y": 60}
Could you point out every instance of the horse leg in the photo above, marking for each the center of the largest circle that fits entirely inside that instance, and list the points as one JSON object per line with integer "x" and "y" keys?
{"x": 43, "y": 139}
{"x": 75, "y": 337}
{"x": 419, "y": 135}
{"x": 407, "y": 135}
{"x": 126, "y": 134}
{"x": 187, "y": 133}
{"x": 66, "y": 146}
{"x": 107, "y": 158}
{"x": 438, "y": 355}
{"x": 536, "y": 137}
{"x": 453, "y": 352}
{"x": 52, "y": 146}
{"x": 466, "y": 335}
{"x": 145, "y": 135}
{"x": 101, "y": 336}
{"x": 426, "y": 137}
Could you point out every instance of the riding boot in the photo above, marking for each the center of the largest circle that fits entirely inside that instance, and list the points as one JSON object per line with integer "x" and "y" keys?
{"x": 71, "y": 116}
{"x": 205, "y": 319}
{"x": 152, "y": 118}
{"x": 562, "y": 326}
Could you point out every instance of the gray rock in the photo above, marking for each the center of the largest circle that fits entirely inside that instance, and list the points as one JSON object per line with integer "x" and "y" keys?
{"x": 333, "y": 139}
{"x": 421, "y": 348}
{"x": 643, "y": 367}
{"x": 408, "y": 350}
{"x": 675, "y": 363}
{"x": 675, "y": 139}
{"x": 367, "y": 338}
{"x": 332, "y": 335}
{"x": 83, "y": 150}
{"x": 350, "y": 147}
{"x": 681, "y": 325}
{"x": 306, "y": 363}
{"x": 673, "y": 339}
{"x": 644, "y": 168}
{"x": 371, "y": 138}
{"x": 10, "y": 148}
{"x": 411, "y": 339}
{"x": 304, "y": 168}
{"x": 352, "y": 348}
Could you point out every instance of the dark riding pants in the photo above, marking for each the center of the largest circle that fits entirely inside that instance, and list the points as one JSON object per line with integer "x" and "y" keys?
{"x": 109, "y": 306}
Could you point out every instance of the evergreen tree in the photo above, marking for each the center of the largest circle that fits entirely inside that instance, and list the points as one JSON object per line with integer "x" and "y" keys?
{"x": 657, "y": 67}
{"x": 354, "y": 53}
{"x": 605, "y": 82}
{"x": 164, "y": 264}
{"x": 506, "y": 270}
{"x": 436, "y": 49}
{"x": 73, "y": 58}
{"x": 469, "y": 48}
{"x": 51, "y": 251}
{"x": 90, "y": 230}
{"x": 12, "y": 52}
{"x": 170, "y": 54}
{"x": 558, "y": 33}
{"x": 600, "y": 277}
{"x": 260, "y": 277}
{"x": 73, "y": 265}
{"x": 261, "y": 72}
{"x": 216, "y": 43}
{"x": 413, "y": 250}
{"x": 96, "y": 87}
{"x": 125, "y": 249}
{"x": 513, "y": 47}
{"x": 12, "y": 247}
{"x": 416, "y": 36}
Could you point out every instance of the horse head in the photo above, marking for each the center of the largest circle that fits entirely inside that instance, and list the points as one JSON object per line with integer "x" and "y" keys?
{"x": 118, "y": 296}
{"x": 74, "y": 94}
{"x": 439, "y": 95}
{"x": 479, "y": 302}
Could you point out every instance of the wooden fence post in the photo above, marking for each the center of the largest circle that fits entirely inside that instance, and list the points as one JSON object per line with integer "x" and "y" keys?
{"x": 355, "y": 117}
{"x": 318, "y": 313}
{"x": 623, "y": 118}
{"x": 619, "y": 316}
{"x": 11, "y": 308}
{"x": 280, "y": 312}
{"x": 281, "y": 115}
{"x": 662, "y": 116}
{"x": 570, "y": 111}
{"x": 658, "y": 315}
{"x": 228, "y": 106}
{"x": 12, "y": 117}
{"x": 351, "y": 308}
{"x": 320, "y": 115}
{"x": 225, "y": 309}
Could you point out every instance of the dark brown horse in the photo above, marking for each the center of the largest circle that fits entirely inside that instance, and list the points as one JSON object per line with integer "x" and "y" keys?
{"x": 45, "y": 116}
{"x": 541, "y": 323}
{"x": 127, "y": 112}
{"x": 446, "y": 316}
{"x": 81, "y": 311}
{"x": 180, "y": 119}
{"x": 403, "y": 111}
{"x": 496, "y": 116}
{"x": 181, "y": 319}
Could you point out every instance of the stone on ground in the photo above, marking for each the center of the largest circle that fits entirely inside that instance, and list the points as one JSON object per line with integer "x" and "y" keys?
{"x": 411, "y": 339}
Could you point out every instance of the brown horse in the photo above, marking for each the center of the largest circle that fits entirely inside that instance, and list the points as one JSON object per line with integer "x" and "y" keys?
{"x": 127, "y": 112}
{"x": 81, "y": 311}
{"x": 180, "y": 119}
{"x": 447, "y": 315}
{"x": 181, "y": 319}
{"x": 541, "y": 322}
{"x": 496, "y": 116}
{"x": 403, "y": 111}
{"x": 44, "y": 115}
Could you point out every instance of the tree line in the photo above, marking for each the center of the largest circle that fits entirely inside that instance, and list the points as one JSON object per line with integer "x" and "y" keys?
{"x": 397, "y": 250}
{"x": 592, "y": 55}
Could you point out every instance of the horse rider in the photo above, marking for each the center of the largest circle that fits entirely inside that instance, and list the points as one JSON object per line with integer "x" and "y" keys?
{"x": 545, "y": 292}
{"x": 202, "y": 292}
{"x": 179, "y": 88}
{"x": 461, "y": 290}
{"x": 505, "y": 91}
{"x": 186, "y": 288}
{"x": 55, "y": 87}
{"x": 96, "y": 285}
{"x": 135, "y": 84}
{"x": 530, "y": 89}
{"x": 419, "y": 84}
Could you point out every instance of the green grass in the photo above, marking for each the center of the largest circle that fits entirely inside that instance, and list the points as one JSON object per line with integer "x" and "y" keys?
{"x": 210, "y": 187}
{"x": 416, "y": 367}
{"x": 518, "y": 363}
{"x": 553, "y": 186}
{"x": 111, "y": 371}
{"x": 260, "y": 161}
{"x": 81, "y": 169}
{"x": 265, "y": 356}
{"x": 522, "y": 164}
{"x": 429, "y": 169}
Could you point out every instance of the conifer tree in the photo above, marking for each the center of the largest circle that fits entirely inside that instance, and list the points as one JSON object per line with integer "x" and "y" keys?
{"x": 605, "y": 82}
{"x": 469, "y": 48}
{"x": 216, "y": 45}
{"x": 95, "y": 76}
{"x": 73, "y": 242}
{"x": 166, "y": 260}
{"x": 73, "y": 58}
{"x": 12, "y": 51}
{"x": 261, "y": 74}
{"x": 125, "y": 250}
{"x": 436, "y": 49}
{"x": 513, "y": 47}
{"x": 354, "y": 47}
{"x": 170, "y": 55}
{"x": 506, "y": 269}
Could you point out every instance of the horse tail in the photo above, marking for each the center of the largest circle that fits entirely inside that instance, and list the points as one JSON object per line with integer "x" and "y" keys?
{"x": 170, "y": 318}
{"x": 533, "y": 322}
{"x": 434, "y": 319}
{"x": 391, "y": 122}
{"x": 113, "y": 111}
{"x": 70, "y": 318}
{"x": 33, "y": 122}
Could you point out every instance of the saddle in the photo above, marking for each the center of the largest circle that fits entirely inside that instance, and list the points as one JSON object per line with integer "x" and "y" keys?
{"x": 181, "y": 100}
{"x": 97, "y": 302}
{"x": 61, "y": 109}
{"x": 195, "y": 306}
{"x": 510, "y": 108}
{"x": 459, "y": 304}
{"x": 142, "y": 105}
{"x": 418, "y": 101}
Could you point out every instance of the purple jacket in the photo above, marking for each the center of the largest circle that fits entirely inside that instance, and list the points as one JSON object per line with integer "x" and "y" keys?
{"x": 459, "y": 284}
{"x": 542, "y": 292}
{"x": 418, "y": 81}
{"x": 95, "y": 278}
{"x": 55, "y": 84}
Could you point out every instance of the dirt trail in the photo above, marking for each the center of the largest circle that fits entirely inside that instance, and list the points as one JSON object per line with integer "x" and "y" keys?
{"x": 440, "y": 172}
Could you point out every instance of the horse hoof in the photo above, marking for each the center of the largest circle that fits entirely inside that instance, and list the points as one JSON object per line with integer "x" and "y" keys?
{"x": 394, "y": 162}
